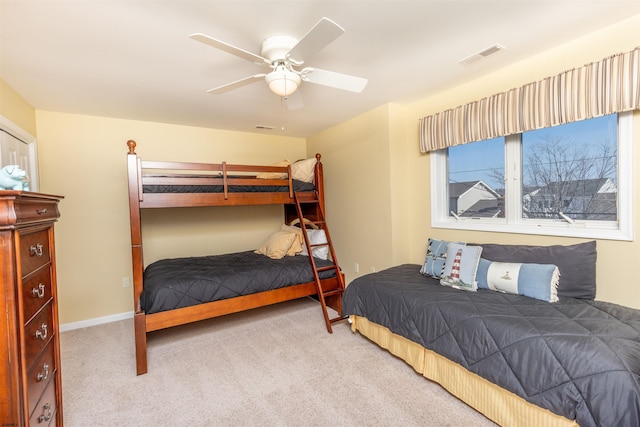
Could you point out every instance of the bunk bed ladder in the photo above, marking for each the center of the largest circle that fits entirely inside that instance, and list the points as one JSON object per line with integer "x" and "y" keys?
{"x": 332, "y": 295}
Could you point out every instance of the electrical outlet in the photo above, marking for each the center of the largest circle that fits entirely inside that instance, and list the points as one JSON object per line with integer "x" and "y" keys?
{"x": 373, "y": 269}
{"x": 356, "y": 267}
{"x": 125, "y": 282}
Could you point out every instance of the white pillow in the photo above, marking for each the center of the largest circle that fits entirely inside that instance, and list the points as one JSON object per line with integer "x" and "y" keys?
{"x": 304, "y": 170}
{"x": 317, "y": 237}
{"x": 461, "y": 267}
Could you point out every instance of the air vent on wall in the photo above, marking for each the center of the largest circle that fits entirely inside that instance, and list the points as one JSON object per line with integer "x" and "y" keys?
{"x": 494, "y": 48}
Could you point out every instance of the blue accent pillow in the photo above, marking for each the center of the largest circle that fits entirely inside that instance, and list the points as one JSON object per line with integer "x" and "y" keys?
{"x": 481, "y": 274}
{"x": 539, "y": 281}
{"x": 436, "y": 256}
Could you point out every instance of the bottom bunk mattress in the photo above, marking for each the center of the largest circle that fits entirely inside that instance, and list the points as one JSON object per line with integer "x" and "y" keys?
{"x": 183, "y": 282}
{"x": 577, "y": 358}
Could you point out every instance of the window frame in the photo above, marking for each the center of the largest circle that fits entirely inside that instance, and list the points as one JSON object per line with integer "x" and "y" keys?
{"x": 622, "y": 229}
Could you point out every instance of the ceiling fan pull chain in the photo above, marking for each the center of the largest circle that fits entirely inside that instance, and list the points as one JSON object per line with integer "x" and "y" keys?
{"x": 282, "y": 101}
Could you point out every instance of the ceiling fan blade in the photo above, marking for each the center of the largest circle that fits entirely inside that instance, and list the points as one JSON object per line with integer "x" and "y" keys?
{"x": 333, "y": 79}
{"x": 218, "y": 44}
{"x": 324, "y": 32}
{"x": 235, "y": 85}
{"x": 294, "y": 101}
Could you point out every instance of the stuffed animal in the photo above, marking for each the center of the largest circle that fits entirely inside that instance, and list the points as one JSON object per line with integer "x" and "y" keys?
{"x": 13, "y": 178}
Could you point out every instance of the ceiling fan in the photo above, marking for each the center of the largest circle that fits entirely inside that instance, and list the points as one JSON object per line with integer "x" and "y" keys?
{"x": 284, "y": 55}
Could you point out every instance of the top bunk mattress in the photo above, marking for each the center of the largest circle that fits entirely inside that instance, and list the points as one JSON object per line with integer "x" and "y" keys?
{"x": 298, "y": 186}
{"x": 183, "y": 282}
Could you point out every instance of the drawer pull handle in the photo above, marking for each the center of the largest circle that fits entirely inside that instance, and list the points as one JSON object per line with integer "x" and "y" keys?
{"x": 41, "y": 376}
{"x": 36, "y": 250}
{"x": 42, "y": 332}
{"x": 47, "y": 416}
{"x": 41, "y": 211}
{"x": 39, "y": 291}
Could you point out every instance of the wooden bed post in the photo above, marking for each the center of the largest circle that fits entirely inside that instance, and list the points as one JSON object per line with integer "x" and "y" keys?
{"x": 134, "y": 172}
{"x": 319, "y": 181}
{"x": 140, "y": 331}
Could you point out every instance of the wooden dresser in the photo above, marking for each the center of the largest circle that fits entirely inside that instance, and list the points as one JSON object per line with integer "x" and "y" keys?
{"x": 30, "y": 381}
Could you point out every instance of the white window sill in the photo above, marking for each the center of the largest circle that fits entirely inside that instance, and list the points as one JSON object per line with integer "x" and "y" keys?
{"x": 579, "y": 230}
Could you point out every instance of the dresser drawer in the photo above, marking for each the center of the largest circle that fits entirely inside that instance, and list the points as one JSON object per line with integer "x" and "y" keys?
{"x": 36, "y": 291}
{"x": 41, "y": 374}
{"x": 34, "y": 250}
{"x": 37, "y": 333}
{"x": 45, "y": 410}
{"x": 30, "y": 210}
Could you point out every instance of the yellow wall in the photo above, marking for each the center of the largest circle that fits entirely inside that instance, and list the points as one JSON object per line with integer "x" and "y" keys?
{"x": 17, "y": 109}
{"x": 397, "y": 212}
{"x": 366, "y": 189}
{"x": 83, "y": 158}
{"x": 355, "y": 156}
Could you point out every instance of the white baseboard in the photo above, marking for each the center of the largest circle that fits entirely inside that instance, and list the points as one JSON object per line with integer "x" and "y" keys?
{"x": 95, "y": 321}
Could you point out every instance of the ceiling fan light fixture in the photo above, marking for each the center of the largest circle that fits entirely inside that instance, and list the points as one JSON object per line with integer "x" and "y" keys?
{"x": 283, "y": 82}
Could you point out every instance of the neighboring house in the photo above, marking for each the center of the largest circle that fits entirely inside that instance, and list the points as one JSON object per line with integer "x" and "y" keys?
{"x": 475, "y": 199}
{"x": 584, "y": 199}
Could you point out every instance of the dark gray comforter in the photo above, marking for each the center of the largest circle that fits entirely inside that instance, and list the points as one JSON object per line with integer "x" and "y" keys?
{"x": 298, "y": 186}
{"x": 182, "y": 282}
{"x": 577, "y": 358}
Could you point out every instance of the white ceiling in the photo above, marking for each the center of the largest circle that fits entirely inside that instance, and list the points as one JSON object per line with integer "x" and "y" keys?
{"x": 133, "y": 59}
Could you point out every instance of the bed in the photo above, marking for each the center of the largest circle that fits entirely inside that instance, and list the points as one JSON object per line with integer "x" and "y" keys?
{"x": 179, "y": 291}
{"x": 519, "y": 360}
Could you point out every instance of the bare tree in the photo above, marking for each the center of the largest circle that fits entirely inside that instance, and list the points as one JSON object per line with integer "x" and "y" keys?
{"x": 566, "y": 178}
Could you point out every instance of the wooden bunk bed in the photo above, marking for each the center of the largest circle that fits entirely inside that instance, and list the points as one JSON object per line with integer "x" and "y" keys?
{"x": 162, "y": 184}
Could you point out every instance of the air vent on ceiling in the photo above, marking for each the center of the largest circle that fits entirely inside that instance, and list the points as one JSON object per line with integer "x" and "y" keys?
{"x": 494, "y": 48}
{"x": 264, "y": 127}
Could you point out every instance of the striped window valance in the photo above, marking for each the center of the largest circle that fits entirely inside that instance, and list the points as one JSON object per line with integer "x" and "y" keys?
{"x": 604, "y": 87}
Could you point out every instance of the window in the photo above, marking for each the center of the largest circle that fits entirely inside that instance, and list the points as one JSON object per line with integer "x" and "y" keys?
{"x": 18, "y": 147}
{"x": 567, "y": 180}
{"x": 476, "y": 179}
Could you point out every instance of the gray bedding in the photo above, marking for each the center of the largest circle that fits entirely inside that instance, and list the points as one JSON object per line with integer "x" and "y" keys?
{"x": 297, "y": 186}
{"x": 578, "y": 358}
{"x": 183, "y": 282}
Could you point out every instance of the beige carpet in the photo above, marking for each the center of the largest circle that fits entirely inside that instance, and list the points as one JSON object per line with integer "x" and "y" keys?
{"x": 274, "y": 366}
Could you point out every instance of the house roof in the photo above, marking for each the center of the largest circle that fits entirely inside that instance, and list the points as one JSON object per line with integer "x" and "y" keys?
{"x": 587, "y": 199}
{"x": 580, "y": 186}
{"x": 457, "y": 189}
{"x": 487, "y": 208}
